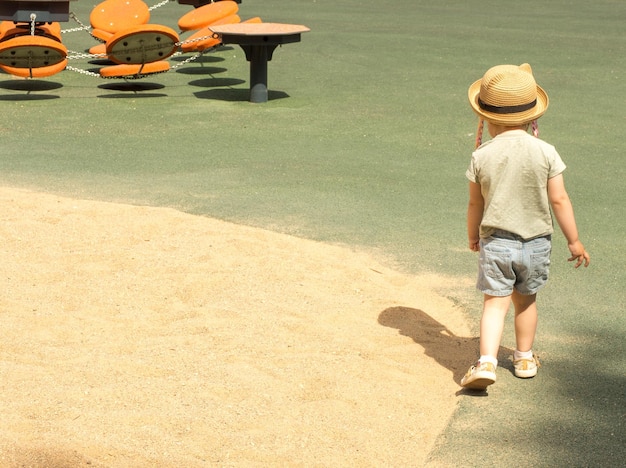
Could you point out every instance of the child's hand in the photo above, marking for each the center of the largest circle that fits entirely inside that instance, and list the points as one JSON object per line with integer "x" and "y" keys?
{"x": 579, "y": 254}
{"x": 474, "y": 245}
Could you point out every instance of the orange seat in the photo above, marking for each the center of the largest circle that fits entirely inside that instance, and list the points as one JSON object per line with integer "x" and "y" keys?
{"x": 99, "y": 49}
{"x": 203, "y": 39}
{"x": 40, "y": 72}
{"x": 10, "y": 29}
{"x": 134, "y": 70}
{"x": 142, "y": 44}
{"x": 115, "y": 15}
{"x": 101, "y": 34}
{"x": 52, "y": 30}
{"x": 255, "y": 20}
{"x": 31, "y": 52}
{"x": 206, "y": 15}
{"x": 5, "y": 26}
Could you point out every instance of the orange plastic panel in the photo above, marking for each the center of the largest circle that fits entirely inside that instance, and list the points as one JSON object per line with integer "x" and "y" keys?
{"x": 31, "y": 52}
{"x": 116, "y": 15}
{"x": 52, "y": 30}
{"x": 134, "y": 71}
{"x": 142, "y": 44}
{"x": 230, "y": 19}
{"x": 101, "y": 34}
{"x": 100, "y": 49}
{"x": 203, "y": 39}
{"x": 40, "y": 72}
{"x": 206, "y": 15}
{"x": 4, "y": 27}
{"x": 9, "y": 29}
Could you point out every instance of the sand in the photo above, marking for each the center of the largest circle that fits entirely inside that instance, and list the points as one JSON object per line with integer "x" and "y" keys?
{"x": 139, "y": 336}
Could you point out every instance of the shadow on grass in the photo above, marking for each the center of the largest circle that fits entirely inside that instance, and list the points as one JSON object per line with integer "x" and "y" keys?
{"x": 590, "y": 413}
{"x": 235, "y": 95}
{"x": 131, "y": 89}
{"x": 188, "y": 70}
{"x": 28, "y": 97}
{"x": 206, "y": 58}
{"x": 216, "y": 82}
{"x": 455, "y": 353}
{"x": 197, "y": 65}
{"x": 132, "y": 95}
{"x": 131, "y": 86}
{"x": 29, "y": 86}
{"x": 569, "y": 415}
{"x": 102, "y": 62}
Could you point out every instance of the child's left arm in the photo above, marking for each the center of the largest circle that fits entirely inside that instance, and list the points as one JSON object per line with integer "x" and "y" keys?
{"x": 564, "y": 213}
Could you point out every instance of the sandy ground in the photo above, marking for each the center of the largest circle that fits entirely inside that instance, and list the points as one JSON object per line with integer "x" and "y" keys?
{"x": 136, "y": 336}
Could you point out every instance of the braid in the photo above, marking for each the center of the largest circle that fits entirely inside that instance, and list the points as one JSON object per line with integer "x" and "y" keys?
{"x": 479, "y": 132}
{"x": 535, "y": 126}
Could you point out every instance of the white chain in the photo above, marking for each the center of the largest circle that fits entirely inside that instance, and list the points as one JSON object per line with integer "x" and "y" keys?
{"x": 82, "y": 26}
{"x": 197, "y": 39}
{"x": 158, "y": 5}
{"x": 84, "y": 72}
{"x": 186, "y": 61}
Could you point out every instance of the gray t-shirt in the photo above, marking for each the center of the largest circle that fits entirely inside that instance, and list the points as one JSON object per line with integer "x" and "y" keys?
{"x": 513, "y": 170}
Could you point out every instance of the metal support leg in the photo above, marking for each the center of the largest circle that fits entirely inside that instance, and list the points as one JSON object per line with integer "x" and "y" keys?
{"x": 258, "y": 55}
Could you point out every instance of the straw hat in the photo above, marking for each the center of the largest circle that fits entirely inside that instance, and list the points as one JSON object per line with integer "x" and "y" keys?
{"x": 508, "y": 95}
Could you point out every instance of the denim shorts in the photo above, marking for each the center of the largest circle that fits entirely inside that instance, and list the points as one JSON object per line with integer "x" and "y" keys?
{"x": 508, "y": 262}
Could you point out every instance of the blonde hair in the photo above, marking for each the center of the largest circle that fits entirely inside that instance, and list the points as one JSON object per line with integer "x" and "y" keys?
{"x": 481, "y": 128}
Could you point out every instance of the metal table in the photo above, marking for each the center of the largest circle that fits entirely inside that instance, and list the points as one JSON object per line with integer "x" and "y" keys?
{"x": 259, "y": 40}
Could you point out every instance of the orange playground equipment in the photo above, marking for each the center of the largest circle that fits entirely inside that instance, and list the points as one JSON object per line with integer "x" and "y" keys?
{"x": 128, "y": 45}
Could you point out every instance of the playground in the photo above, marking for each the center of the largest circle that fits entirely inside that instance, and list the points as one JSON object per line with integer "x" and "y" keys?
{"x": 191, "y": 278}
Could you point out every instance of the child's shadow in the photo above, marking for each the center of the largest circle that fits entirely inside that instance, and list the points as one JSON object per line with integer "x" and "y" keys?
{"x": 455, "y": 353}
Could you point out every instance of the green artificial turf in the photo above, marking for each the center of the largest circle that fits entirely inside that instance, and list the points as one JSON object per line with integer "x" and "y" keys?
{"x": 365, "y": 141}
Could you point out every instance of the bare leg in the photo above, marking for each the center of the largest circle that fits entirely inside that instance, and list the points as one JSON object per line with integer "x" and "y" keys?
{"x": 492, "y": 324}
{"x": 483, "y": 374}
{"x": 525, "y": 320}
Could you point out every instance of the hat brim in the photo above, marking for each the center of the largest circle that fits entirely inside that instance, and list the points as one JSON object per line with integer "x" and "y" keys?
{"x": 518, "y": 118}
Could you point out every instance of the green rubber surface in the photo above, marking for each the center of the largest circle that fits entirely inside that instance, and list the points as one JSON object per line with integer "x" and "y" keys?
{"x": 364, "y": 141}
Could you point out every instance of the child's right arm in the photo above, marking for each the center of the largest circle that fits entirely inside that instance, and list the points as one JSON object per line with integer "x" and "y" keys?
{"x": 564, "y": 213}
{"x": 474, "y": 216}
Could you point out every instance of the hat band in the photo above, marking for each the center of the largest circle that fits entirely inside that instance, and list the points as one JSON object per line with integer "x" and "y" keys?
{"x": 506, "y": 109}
